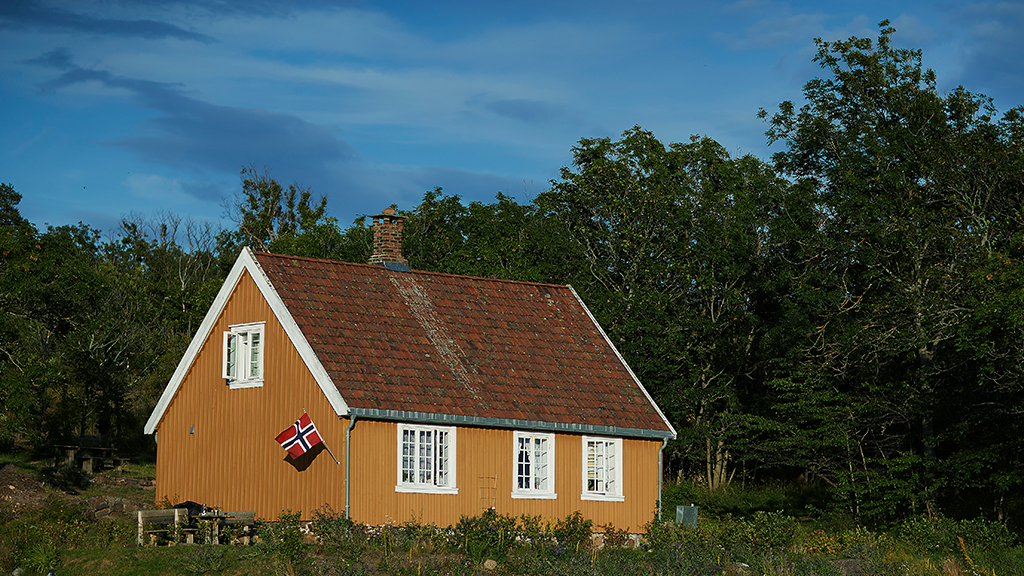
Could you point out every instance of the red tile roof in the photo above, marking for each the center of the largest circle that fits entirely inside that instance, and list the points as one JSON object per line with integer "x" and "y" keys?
{"x": 462, "y": 346}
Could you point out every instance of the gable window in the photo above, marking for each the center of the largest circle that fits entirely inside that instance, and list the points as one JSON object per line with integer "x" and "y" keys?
{"x": 426, "y": 459}
{"x": 533, "y": 465}
{"x": 243, "y": 355}
{"x": 602, "y": 469}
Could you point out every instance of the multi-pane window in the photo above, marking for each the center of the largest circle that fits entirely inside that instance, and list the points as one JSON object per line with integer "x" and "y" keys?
{"x": 534, "y": 465}
{"x": 426, "y": 459}
{"x": 243, "y": 355}
{"x": 602, "y": 468}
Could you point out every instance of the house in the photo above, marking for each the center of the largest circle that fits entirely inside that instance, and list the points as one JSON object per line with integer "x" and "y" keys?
{"x": 438, "y": 396}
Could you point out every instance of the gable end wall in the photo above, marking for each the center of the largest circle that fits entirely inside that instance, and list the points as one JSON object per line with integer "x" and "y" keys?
{"x": 232, "y": 460}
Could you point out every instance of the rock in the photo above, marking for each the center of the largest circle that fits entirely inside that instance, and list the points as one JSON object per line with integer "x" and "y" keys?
{"x": 94, "y": 503}
{"x": 490, "y": 564}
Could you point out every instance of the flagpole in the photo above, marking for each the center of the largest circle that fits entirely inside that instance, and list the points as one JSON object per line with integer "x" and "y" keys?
{"x": 324, "y": 442}
{"x": 329, "y": 452}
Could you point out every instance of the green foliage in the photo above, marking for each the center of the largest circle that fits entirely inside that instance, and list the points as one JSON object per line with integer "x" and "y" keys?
{"x": 271, "y": 218}
{"x": 38, "y": 536}
{"x": 573, "y": 532}
{"x": 771, "y": 530}
{"x": 336, "y": 533}
{"x": 204, "y": 560}
{"x": 500, "y": 240}
{"x": 42, "y": 556}
{"x": 919, "y": 201}
{"x": 286, "y": 536}
{"x": 793, "y": 499}
{"x": 489, "y": 535}
{"x": 673, "y": 242}
{"x": 942, "y": 535}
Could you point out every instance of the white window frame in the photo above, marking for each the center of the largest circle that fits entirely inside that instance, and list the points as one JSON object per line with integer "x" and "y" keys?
{"x": 526, "y": 465}
{"x": 248, "y": 373}
{"x": 439, "y": 455}
{"x": 604, "y": 468}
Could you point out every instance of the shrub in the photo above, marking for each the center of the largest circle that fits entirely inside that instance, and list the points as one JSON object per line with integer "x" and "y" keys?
{"x": 941, "y": 535}
{"x": 771, "y": 530}
{"x": 574, "y": 531}
{"x": 532, "y": 530}
{"x": 336, "y": 533}
{"x": 821, "y": 543}
{"x": 284, "y": 537}
{"x": 661, "y": 535}
{"x": 614, "y": 537}
{"x": 489, "y": 535}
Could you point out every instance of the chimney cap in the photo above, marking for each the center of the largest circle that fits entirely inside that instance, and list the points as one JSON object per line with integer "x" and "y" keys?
{"x": 388, "y": 212}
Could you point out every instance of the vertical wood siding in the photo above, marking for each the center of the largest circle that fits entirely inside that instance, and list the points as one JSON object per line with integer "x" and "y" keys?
{"x": 484, "y": 478}
{"x": 233, "y": 461}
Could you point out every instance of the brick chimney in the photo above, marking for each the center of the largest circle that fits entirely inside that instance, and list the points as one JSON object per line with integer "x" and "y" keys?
{"x": 387, "y": 241}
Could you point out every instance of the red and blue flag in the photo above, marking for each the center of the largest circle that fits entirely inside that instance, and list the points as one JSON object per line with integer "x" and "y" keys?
{"x": 300, "y": 437}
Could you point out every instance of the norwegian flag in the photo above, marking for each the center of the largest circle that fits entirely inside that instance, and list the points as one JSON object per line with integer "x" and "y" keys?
{"x": 299, "y": 437}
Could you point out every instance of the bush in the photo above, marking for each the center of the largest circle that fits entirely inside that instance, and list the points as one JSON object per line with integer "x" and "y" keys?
{"x": 489, "y": 535}
{"x": 771, "y": 530}
{"x": 336, "y": 533}
{"x": 282, "y": 538}
{"x": 793, "y": 499}
{"x": 574, "y": 532}
{"x": 940, "y": 535}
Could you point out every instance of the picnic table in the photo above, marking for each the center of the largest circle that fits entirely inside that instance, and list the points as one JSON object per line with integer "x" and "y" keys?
{"x": 176, "y": 526}
{"x": 91, "y": 458}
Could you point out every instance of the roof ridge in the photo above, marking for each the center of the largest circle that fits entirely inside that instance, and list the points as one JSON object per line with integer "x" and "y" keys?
{"x": 413, "y": 270}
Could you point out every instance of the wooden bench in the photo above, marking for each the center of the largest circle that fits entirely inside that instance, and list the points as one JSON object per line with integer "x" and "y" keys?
{"x": 176, "y": 524}
{"x": 172, "y": 522}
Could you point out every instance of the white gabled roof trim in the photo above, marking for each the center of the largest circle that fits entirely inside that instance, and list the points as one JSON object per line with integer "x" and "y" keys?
{"x": 623, "y": 360}
{"x": 247, "y": 262}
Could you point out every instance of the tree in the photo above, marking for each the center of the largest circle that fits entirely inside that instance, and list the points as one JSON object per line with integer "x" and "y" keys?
{"x": 913, "y": 186}
{"x": 672, "y": 240}
{"x": 499, "y": 240}
{"x": 271, "y": 218}
{"x": 17, "y": 238}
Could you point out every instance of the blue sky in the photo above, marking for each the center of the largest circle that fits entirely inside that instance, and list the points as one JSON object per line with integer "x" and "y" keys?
{"x": 115, "y": 108}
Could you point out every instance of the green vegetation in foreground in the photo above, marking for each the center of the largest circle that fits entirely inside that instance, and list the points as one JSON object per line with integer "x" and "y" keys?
{"x": 764, "y": 543}
{"x": 737, "y": 533}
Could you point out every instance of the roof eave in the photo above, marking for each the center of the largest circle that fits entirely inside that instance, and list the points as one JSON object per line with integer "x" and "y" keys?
{"x": 247, "y": 262}
{"x": 672, "y": 431}
{"x": 511, "y": 423}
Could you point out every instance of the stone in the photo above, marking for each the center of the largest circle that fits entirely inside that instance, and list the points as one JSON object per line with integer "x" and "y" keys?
{"x": 490, "y": 564}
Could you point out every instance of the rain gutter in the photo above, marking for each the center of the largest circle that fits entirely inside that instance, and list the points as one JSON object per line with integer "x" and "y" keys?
{"x": 661, "y": 472}
{"x": 348, "y": 464}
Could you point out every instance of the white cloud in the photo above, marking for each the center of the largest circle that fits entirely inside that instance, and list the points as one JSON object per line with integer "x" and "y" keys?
{"x": 156, "y": 187}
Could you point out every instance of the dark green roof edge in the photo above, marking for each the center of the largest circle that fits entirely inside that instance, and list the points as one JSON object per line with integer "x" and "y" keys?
{"x": 453, "y": 419}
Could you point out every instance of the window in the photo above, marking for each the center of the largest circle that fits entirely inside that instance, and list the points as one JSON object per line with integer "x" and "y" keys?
{"x": 533, "y": 473}
{"x": 426, "y": 459}
{"x": 602, "y": 469}
{"x": 243, "y": 355}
